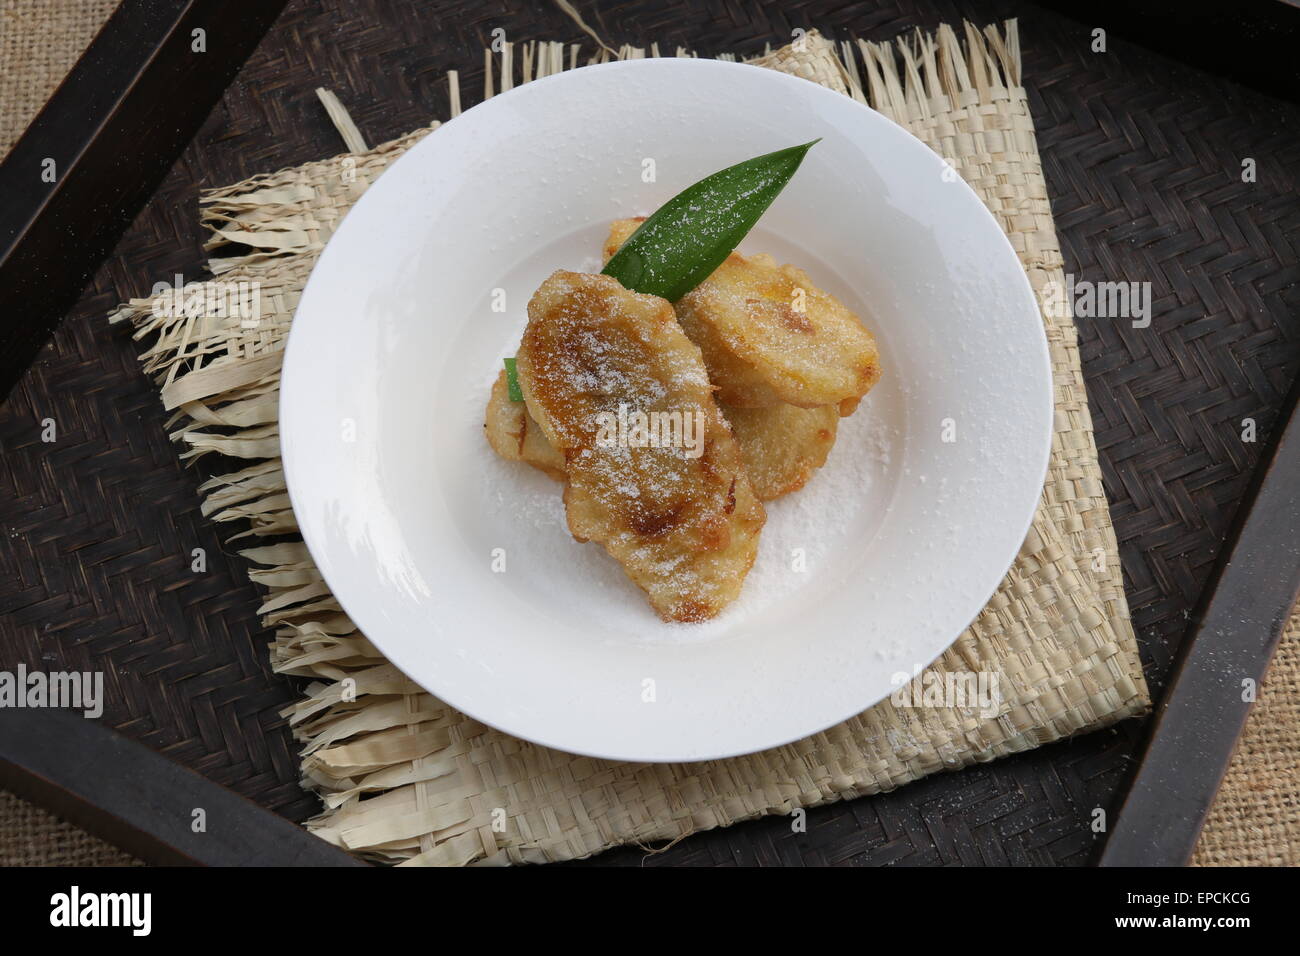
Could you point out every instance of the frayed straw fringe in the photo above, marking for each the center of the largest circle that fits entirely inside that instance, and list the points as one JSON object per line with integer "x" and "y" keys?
{"x": 402, "y": 776}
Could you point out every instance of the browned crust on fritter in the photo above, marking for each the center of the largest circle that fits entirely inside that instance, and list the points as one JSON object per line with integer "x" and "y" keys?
{"x": 684, "y": 528}
{"x": 513, "y": 434}
{"x": 782, "y": 446}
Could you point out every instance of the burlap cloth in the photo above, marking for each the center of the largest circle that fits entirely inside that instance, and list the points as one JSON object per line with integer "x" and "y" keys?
{"x": 431, "y": 774}
{"x": 1255, "y": 820}
{"x": 40, "y": 40}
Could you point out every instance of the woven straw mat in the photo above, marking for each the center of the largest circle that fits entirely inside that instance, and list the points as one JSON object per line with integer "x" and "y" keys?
{"x": 403, "y": 776}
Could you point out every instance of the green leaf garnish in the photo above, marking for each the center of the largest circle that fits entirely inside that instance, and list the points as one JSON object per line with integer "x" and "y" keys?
{"x": 691, "y": 234}
{"x": 512, "y": 381}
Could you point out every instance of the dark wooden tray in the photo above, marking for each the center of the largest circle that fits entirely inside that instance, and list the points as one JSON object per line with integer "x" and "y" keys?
{"x": 1142, "y": 153}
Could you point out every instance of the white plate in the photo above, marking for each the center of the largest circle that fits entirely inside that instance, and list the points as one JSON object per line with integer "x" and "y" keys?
{"x": 903, "y": 536}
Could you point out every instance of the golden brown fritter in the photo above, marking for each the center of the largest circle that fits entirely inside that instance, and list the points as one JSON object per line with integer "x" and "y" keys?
{"x": 513, "y": 433}
{"x": 781, "y": 445}
{"x": 768, "y": 335}
{"x": 680, "y": 515}
{"x": 620, "y": 231}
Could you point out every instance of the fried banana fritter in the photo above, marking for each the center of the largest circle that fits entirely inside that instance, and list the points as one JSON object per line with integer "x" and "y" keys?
{"x": 769, "y": 335}
{"x": 513, "y": 433}
{"x": 680, "y": 516}
{"x": 781, "y": 445}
